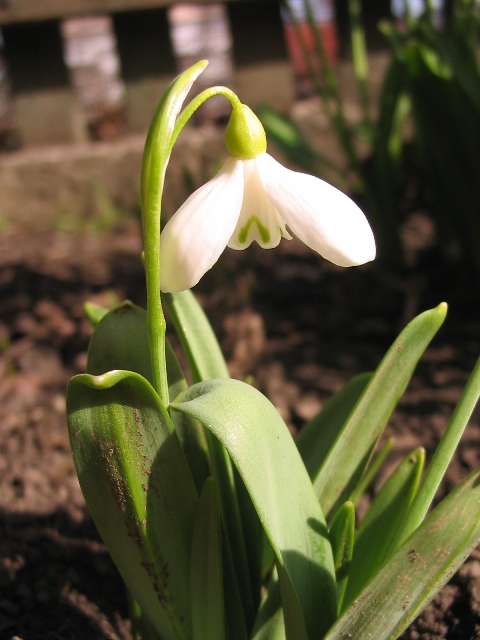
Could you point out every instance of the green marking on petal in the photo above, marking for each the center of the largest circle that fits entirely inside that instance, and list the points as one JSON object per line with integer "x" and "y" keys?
{"x": 264, "y": 233}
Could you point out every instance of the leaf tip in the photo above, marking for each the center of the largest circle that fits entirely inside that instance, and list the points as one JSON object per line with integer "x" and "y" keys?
{"x": 443, "y": 308}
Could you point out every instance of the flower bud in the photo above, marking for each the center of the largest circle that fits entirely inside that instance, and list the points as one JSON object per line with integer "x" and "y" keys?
{"x": 245, "y": 137}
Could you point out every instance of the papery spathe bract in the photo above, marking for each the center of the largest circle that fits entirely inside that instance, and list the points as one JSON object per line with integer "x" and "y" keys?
{"x": 257, "y": 199}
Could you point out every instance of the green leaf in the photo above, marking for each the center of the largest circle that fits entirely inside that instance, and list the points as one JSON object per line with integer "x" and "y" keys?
{"x": 139, "y": 490}
{"x": 205, "y": 360}
{"x": 342, "y": 535}
{"x": 269, "y": 624}
{"x": 196, "y": 335}
{"x": 94, "y": 312}
{"x": 378, "y": 529}
{"x": 351, "y": 451}
{"x": 317, "y": 436}
{"x": 260, "y": 445}
{"x": 208, "y": 616}
{"x": 372, "y": 470}
{"x": 418, "y": 569}
{"x": 120, "y": 341}
{"x": 442, "y": 456}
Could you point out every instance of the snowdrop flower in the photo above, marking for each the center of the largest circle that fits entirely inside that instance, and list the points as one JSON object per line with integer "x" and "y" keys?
{"x": 253, "y": 197}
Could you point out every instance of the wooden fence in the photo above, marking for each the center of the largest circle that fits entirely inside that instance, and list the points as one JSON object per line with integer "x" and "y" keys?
{"x": 44, "y": 101}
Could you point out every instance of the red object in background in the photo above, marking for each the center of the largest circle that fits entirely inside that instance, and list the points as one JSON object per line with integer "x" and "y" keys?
{"x": 295, "y": 44}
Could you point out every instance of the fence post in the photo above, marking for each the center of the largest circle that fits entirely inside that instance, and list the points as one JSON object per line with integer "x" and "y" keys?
{"x": 44, "y": 103}
{"x": 262, "y": 69}
{"x": 147, "y": 62}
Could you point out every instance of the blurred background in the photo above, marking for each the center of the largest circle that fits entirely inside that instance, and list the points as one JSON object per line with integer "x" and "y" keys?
{"x": 379, "y": 97}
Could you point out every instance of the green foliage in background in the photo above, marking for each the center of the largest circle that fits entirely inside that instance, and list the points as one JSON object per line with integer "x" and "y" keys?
{"x": 420, "y": 146}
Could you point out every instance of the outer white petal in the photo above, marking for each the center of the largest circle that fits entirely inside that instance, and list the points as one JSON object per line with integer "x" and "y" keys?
{"x": 196, "y": 235}
{"x": 320, "y": 215}
{"x": 258, "y": 218}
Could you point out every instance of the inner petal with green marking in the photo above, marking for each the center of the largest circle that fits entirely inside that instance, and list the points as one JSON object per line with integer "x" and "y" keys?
{"x": 258, "y": 221}
{"x": 263, "y": 231}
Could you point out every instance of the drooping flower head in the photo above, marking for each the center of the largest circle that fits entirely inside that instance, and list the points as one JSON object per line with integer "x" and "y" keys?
{"x": 255, "y": 198}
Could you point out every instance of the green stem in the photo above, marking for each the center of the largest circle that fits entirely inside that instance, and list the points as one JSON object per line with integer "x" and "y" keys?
{"x": 156, "y": 324}
{"x": 160, "y": 140}
{"x": 152, "y": 189}
{"x": 196, "y": 103}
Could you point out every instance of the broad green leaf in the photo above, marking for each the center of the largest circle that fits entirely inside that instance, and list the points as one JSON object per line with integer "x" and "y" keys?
{"x": 317, "y": 436}
{"x": 139, "y": 490}
{"x": 206, "y": 361}
{"x": 417, "y": 570}
{"x": 342, "y": 535}
{"x": 120, "y": 341}
{"x": 351, "y": 451}
{"x": 260, "y": 445}
{"x": 208, "y": 614}
{"x": 378, "y": 529}
{"x": 442, "y": 456}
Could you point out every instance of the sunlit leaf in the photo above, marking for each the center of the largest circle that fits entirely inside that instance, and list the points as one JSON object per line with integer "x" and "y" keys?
{"x": 208, "y": 614}
{"x": 264, "y": 454}
{"x": 418, "y": 569}
{"x": 351, "y": 452}
{"x": 378, "y": 530}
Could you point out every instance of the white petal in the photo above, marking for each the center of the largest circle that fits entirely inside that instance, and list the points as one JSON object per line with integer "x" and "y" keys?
{"x": 196, "y": 235}
{"x": 258, "y": 219}
{"x": 323, "y": 217}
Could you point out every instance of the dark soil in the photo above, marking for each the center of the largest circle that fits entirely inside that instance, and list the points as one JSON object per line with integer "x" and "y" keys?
{"x": 300, "y": 327}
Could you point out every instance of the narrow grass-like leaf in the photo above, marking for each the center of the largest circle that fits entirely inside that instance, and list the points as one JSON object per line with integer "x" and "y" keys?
{"x": 442, "y": 456}
{"x": 208, "y": 613}
{"x": 342, "y": 536}
{"x": 264, "y": 454}
{"x": 196, "y": 335}
{"x": 94, "y": 312}
{"x": 372, "y": 470}
{"x": 350, "y": 453}
{"x": 378, "y": 529}
{"x": 236, "y": 628}
{"x": 317, "y": 436}
{"x": 139, "y": 490}
{"x": 417, "y": 570}
{"x": 269, "y": 624}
